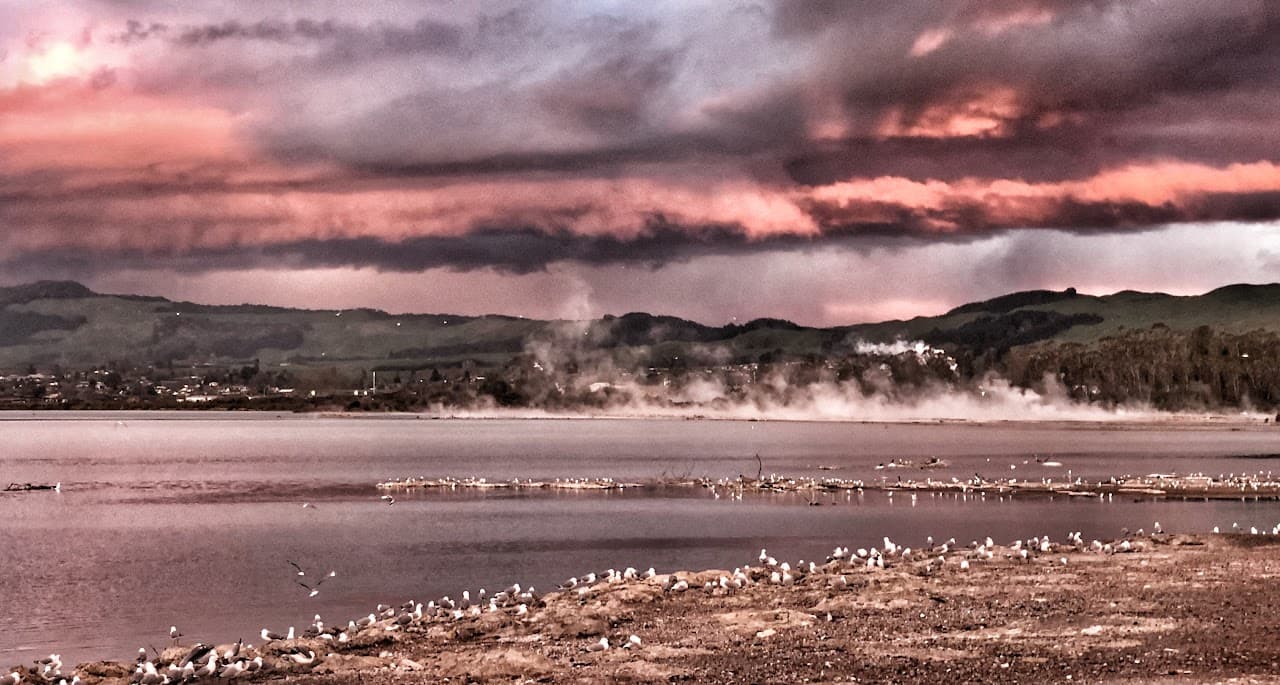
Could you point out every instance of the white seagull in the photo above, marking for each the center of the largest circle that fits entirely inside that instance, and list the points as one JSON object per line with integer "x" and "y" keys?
{"x": 210, "y": 668}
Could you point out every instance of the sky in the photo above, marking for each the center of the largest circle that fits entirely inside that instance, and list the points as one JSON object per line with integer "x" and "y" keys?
{"x": 823, "y": 161}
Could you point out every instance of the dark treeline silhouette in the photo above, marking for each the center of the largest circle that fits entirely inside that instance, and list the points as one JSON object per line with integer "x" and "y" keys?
{"x": 1173, "y": 370}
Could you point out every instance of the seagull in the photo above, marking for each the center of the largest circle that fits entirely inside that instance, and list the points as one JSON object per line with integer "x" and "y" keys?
{"x": 210, "y": 668}
{"x": 149, "y": 675}
{"x": 268, "y": 635}
{"x": 302, "y": 659}
{"x": 173, "y": 633}
{"x": 234, "y": 670}
{"x": 388, "y": 499}
{"x": 600, "y": 646}
{"x": 315, "y": 589}
{"x": 198, "y": 652}
{"x": 308, "y": 505}
{"x": 11, "y": 679}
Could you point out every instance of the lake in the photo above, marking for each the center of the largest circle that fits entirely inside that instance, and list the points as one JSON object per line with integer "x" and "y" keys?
{"x": 192, "y": 519}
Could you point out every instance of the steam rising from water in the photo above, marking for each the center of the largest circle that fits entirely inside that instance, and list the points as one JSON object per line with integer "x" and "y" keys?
{"x": 613, "y": 385}
{"x": 997, "y": 400}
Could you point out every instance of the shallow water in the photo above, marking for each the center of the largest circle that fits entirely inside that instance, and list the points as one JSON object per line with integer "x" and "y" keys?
{"x": 192, "y": 519}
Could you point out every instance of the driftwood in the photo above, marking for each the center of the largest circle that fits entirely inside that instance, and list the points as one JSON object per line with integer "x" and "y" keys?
{"x": 31, "y": 487}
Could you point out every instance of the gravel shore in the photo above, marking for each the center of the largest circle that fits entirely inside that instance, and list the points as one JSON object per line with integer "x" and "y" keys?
{"x": 1180, "y": 609}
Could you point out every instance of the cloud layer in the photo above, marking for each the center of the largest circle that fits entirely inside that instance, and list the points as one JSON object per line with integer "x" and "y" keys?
{"x": 513, "y": 137}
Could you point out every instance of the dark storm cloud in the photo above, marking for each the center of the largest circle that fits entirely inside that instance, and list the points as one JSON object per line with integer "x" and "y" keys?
{"x": 610, "y": 92}
{"x": 340, "y": 43}
{"x": 513, "y": 135}
{"x": 1030, "y": 90}
{"x": 519, "y": 251}
{"x": 1066, "y": 214}
{"x": 523, "y": 250}
{"x": 272, "y": 31}
{"x": 1088, "y": 85}
{"x": 1028, "y": 153}
{"x": 137, "y": 31}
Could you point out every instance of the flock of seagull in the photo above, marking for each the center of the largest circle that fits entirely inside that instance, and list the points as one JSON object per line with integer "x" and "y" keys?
{"x": 295, "y": 651}
{"x": 204, "y": 661}
{"x": 48, "y": 670}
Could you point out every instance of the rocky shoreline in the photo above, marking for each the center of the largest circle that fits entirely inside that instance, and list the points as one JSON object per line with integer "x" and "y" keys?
{"x": 1173, "y": 608}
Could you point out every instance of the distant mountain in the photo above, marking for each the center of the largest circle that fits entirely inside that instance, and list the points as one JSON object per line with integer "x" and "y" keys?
{"x": 1220, "y": 349}
{"x": 67, "y": 324}
{"x": 1072, "y": 317}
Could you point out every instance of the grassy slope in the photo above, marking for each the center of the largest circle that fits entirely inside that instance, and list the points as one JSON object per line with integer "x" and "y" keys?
{"x": 1232, "y": 308}
{"x": 143, "y": 329}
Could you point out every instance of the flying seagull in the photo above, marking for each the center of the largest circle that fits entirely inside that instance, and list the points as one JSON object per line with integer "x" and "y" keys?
{"x": 315, "y": 589}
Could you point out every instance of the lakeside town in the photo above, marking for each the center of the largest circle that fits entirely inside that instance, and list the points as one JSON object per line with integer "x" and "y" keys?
{"x": 524, "y": 381}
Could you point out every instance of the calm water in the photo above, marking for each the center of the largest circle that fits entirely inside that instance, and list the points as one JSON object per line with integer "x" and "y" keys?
{"x": 192, "y": 520}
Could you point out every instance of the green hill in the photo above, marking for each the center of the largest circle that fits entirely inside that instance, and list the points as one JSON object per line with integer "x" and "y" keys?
{"x": 1234, "y": 308}
{"x": 66, "y": 324}
{"x": 1218, "y": 349}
